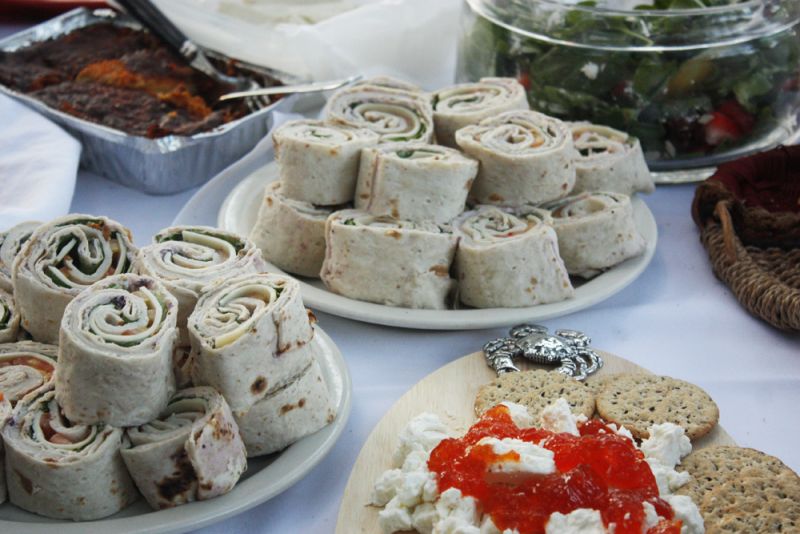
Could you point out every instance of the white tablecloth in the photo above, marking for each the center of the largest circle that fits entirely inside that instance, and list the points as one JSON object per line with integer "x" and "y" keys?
{"x": 676, "y": 319}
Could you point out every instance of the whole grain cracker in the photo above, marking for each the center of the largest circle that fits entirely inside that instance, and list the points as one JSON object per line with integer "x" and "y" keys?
{"x": 535, "y": 390}
{"x": 638, "y": 401}
{"x": 597, "y": 383}
{"x": 714, "y": 466}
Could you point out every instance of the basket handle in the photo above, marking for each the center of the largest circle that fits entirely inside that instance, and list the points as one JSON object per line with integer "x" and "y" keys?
{"x": 722, "y": 211}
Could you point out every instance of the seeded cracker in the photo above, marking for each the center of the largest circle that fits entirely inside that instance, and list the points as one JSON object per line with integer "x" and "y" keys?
{"x": 535, "y": 390}
{"x": 638, "y": 401}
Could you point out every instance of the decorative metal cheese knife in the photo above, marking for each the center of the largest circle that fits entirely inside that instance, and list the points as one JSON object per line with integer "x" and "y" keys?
{"x": 569, "y": 351}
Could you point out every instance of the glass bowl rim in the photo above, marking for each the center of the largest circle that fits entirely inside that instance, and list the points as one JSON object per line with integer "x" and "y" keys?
{"x": 661, "y": 13}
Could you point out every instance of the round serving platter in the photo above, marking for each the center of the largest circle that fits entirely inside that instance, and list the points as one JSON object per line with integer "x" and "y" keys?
{"x": 266, "y": 476}
{"x": 449, "y": 393}
{"x": 239, "y": 210}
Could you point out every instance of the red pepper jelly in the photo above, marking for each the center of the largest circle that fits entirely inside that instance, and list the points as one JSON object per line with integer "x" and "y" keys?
{"x": 597, "y": 469}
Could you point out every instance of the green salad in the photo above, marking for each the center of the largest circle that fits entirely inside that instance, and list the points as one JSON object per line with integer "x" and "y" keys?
{"x": 641, "y": 74}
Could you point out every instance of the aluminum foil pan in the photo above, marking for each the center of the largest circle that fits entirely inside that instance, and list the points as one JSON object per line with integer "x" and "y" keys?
{"x": 159, "y": 166}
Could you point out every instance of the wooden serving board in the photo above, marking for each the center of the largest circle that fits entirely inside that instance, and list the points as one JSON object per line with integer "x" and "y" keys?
{"x": 448, "y": 392}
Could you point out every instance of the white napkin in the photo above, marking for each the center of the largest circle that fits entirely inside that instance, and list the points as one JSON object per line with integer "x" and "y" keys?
{"x": 38, "y": 166}
{"x": 410, "y": 39}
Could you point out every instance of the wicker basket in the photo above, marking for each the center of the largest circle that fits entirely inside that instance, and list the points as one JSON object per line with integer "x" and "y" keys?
{"x": 749, "y": 219}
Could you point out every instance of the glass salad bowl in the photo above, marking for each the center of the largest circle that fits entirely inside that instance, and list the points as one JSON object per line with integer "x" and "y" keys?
{"x": 698, "y": 82}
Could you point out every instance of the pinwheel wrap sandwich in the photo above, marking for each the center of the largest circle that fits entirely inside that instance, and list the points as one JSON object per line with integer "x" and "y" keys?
{"x": 11, "y": 243}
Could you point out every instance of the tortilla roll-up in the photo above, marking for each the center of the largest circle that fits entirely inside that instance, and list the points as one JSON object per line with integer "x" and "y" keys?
{"x": 318, "y": 162}
{"x": 508, "y": 261}
{"x": 62, "y": 258}
{"x": 290, "y": 233}
{"x": 469, "y": 103}
{"x": 11, "y": 243}
{"x": 62, "y": 469}
{"x": 609, "y": 160}
{"x": 394, "y": 114}
{"x": 9, "y": 319}
{"x": 116, "y": 348}
{"x": 298, "y": 409}
{"x": 187, "y": 258}
{"x": 192, "y": 452}
{"x": 250, "y": 336}
{"x": 595, "y": 232}
{"x": 25, "y": 367}
{"x": 525, "y": 158}
{"x": 390, "y": 83}
{"x": 380, "y": 259}
{"x": 414, "y": 181}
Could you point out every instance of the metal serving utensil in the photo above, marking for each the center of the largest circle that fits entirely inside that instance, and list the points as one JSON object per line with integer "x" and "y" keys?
{"x": 292, "y": 89}
{"x": 567, "y": 350}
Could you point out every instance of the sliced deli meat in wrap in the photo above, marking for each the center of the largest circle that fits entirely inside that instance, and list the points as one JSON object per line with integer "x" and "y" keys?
{"x": 609, "y": 160}
{"x": 9, "y": 318}
{"x": 250, "y": 336}
{"x": 187, "y": 258}
{"x": 595, "y": 232}
{"x": 319, "y": 162}
{"x": 525, "y": 158}
{"x": 507, "y": 260}
{"x": 414, "y": 181}
{"x": 62, "y": 469}
{"x": 60, "y": 259}
{"x": 11, "y": 243}
{"x": 388, "y": 261}
{"x": 469, "y": 103}
{"x": 191, "y": 452}
{"x": 290, "y": 233}
{"x": 294, "y": 411}
{"x": 394, "y": 114}
{"x": 115, "y": 355}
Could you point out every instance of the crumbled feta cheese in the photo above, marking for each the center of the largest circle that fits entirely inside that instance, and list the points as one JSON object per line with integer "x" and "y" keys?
{"x": 558, "y": 418}
{"x": 667, "y": 479}
{"x": 667, "y": 444}
{"x": 409, "y": 494}
{"x": 651, "y": 517}
{"x": 424, "y": 432}
{"x": 519, "y": 414}
{"x": 386, "y": 486}
{"x": 591, "y": 70}
{"x": 394, "y": 518}
{"x": 686, "y": 510}
{"x": 580, "y": 521}
{"x": 488, "y": 527}
{"x": 457, "y": 514}
{"x": 416, "y": 460}
{"x": 533, "y": 459}
{"x": 424, "y": 517}
{"x": 621, "y": 431}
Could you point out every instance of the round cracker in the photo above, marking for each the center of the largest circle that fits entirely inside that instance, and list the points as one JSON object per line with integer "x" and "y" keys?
{"x": 638, "y": 401}
{"x": 535, "y": 390}
{"x": 714, "y": 466}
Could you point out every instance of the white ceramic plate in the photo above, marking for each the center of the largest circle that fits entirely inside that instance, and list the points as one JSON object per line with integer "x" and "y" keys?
{"x": 239, "y": 210}
{"x": 265, "y": 477}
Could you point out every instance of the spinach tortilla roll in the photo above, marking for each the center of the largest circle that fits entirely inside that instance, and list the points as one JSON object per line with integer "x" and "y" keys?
{"x": 595, "y": 231}
{"x": 250, "y": 336}
{"x": 388, "y": 261}
{"x": 290, "y": 233}
{"x": 414, "y": 181}
{"x": 609, "y": 160}
{"x": 187, "y": 258}
{"x": 115, "y": 353}
{"x": 62, "y": 469}
{"x": 318, "y": 162}
{"x": 25, "y": 367}
{"x": 11, "y": 243}
{"x": 526, "y": 158}
{"x": 294, "y": 411}
{"x": 192, "y": 452}
{"x": 395, "y": 115}
{"x": 60, "y": 259}
{"x": 469, "y": 103}
{"x": 9, "y": 319}
{"x": 507, "y": 261}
